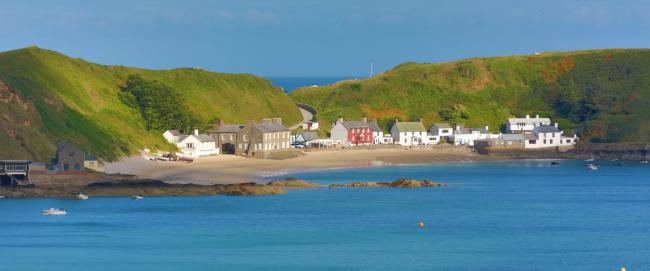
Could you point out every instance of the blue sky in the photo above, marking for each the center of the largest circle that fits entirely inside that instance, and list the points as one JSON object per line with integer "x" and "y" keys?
{"x": 315, "y": 38}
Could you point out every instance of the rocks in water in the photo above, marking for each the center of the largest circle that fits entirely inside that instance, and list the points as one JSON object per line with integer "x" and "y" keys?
{"x": 294, "y": 183}
{"x": 142, "y": 188}
{"x": 403, "y": 182}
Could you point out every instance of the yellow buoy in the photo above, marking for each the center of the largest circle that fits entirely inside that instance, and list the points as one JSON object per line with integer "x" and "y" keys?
{"x": 623, "y": 269}
{"x": 421, "y": 224}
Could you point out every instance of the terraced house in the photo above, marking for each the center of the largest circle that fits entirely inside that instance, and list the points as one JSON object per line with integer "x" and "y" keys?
{"x": 252, "y": 138}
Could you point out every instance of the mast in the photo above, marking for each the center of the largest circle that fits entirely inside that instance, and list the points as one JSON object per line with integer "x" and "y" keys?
{"x": 371, "y": 64}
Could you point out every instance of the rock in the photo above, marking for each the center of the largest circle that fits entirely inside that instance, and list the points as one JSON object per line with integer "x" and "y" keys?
{"x": 404, "y": 182}
{"x": 251, "y": 189}
{"x": 292, "y": 182}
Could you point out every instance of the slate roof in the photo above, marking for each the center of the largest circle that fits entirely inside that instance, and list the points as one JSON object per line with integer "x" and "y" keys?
{"x": 200, "y": 137}
{"x": 230, "y": 128}
{"x": 309, "y": 135}
{"x": 441, "y": 125}
{"x": 174, "y": 132}
{"x": 270, "y": 127}
{"x": 512, "y": 137}
{"x": 352, "y": 124}
{"x": 531, "y": 121}
{"x": 375, "y": 128}
{"x": 466, "y": 131}
{"x": 410, "y": 127}
{"x": 529, "y": 136}
{"x": 546, "y": 129}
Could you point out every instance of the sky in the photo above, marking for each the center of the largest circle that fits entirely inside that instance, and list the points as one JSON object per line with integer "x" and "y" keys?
{"x": 315, "y": 38}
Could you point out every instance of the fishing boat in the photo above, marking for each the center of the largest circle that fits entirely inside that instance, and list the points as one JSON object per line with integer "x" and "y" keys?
{"x": 592, "y": 167}
{"x": 82, "y": 196}
{"x": 137, "y": 197}
{"x": 54, "y": 211}
{"x": 644, "y": 162}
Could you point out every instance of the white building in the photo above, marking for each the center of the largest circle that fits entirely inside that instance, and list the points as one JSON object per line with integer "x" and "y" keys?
{"x": 525, "y": 125}
{"x": 546, "y": 136}
{"x": 172, "y": 136}
{"x": 442, "y": 131}
{"x": 467, "y": 136}
{"x": 310, "y": 125}
{"x": 386, "y": 139}
{"x": 305, "y": 137}
{"x": 196, "y": 145}
{"x": 411, "y": 134}
{"x": 377, "y": 132}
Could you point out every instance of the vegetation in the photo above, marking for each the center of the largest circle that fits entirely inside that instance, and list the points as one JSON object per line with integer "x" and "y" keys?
{"x": 601, "y": 94}
{"x": 50, "y": 97}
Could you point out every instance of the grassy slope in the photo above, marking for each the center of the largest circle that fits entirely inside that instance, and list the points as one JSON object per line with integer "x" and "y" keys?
{"x": 77, "y": 100}
{"x": 562, "y": 85}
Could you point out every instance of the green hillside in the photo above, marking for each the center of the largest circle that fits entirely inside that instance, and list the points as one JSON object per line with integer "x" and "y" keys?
{"x": 603, "y": 95}
{"x": 46, "y": 97}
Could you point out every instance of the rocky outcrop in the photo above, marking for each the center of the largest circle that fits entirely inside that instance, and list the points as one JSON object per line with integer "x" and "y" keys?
{"x": 142, "y": 188}
{"x": 293, "y": 183}
{"x": 399, "y": 183}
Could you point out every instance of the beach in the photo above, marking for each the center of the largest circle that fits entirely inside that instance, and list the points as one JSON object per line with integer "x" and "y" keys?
{"x": 229, "y": 169}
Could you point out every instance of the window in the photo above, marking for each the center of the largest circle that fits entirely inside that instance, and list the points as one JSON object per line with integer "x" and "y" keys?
{"x": 189, "y": 145}
{"x": 551, "y": 141}
{"x": 77, "y": 167}
{"x": 66, "y": 167}
{"x": 532, "y": 141}
{"x": 544, "y": 141}
{"x": 244, "y": 137}
{"x": 10, "y": 167}
{"x": 70, "y": 154}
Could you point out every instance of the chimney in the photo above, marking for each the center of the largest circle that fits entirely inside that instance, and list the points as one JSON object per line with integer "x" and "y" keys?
{"x": 556, "y": 125}
{"x": 339, "y": 120}
{"x": 422, "y": 120}
{"x": 196, "y": 132}
{"x": 396, "y": 120}
{"x": 537, "y": 116}
{"x": 266, "y": 120}
{"x": 277, "y": 120}
{"x": 364, "y": 119}
{"x": 527, "y": 116}
{"x": 487, "y": 128}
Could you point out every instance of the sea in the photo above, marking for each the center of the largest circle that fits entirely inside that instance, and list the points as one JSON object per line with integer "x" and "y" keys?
{"x": 494, "y": 215}
{"x": 291, "y": 83}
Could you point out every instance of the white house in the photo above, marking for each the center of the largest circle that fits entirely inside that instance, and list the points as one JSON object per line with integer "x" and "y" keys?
{"x": 196, "y": 145}
{"x": 172, "y": 136}
{"x": 467, "y": 136}
{"x": 525, "y": 125}
{"x": 442, "y": 131}
{"x": 386, "y": 139}
{"x": 546, "y": 136}
{"x": 411, "y": 134}
{"x": 377, "y": 132}
{"x": 310, "y": 125}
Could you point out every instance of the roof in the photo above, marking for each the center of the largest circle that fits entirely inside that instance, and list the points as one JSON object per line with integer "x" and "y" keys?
{"x": 441, "y": 125}
{"x": 90, "y": 158}
{"x": 512, "y": 137}
{"x": 530, "y": 121}
{"x": 174, "y": 132}
{"x": 351, "y": 124}
{"x": 200, "y": 137}
{"x": 309, "y": 135}
{"x": 269, "y": 127}
{"x": 230, "y": 128}
{"x": 463, "y": 130}
{"x": 529, "y": 136}
{"x": 373, "y": 125}
{"x": 410, "y": 127}
{"x": 546, "y": 129}
{"x": 15, "y": 161}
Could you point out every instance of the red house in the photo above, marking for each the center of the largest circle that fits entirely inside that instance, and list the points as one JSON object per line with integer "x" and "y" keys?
{"x": 352, "y": 132}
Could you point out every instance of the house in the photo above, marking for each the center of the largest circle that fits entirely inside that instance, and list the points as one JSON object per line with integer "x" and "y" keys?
{"x": 411, "y": 134}
{"x": 310, "y": 125}
{"x": 525, "y": 125}
{"x": 172, "y": 136}
{"x": 502, "y": 142}
{"x": 229, "y": 137}
{"x": 351, "y": 133}
{"x": 69, "y": 157}
{"x": 467, "y": 136}
{"x": 252, "y": 137}
{"x": 442, "y": 131}
{"x": 305, "y": 137}
{"x": 91, "y": 162}
{"x": 14, "y": 172}
{"x": 196, "y": 145}
{"x": 377, "y": 132}
{"x": 546, "y": 136}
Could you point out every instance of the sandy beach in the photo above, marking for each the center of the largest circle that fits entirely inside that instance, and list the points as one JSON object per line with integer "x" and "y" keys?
{"x": 227, "y": 169}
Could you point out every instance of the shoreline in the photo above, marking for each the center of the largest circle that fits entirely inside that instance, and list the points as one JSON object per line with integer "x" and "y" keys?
{"x": 227, "y": 169}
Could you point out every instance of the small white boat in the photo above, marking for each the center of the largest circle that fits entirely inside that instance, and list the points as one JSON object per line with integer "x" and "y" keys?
{"x": 644, "y": 162}
{"x": 592, "y": 167}
{"x": 137, "y": 197}
{"x": 590, "y": 160}
{"x": 2, "y": 197}
{"x": 54, "y": 211}
{"x": 82, "y": 196}
{"x": 614, "y": 160}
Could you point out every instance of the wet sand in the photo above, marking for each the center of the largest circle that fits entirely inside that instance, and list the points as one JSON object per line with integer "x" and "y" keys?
{"x": 228, "y": 169}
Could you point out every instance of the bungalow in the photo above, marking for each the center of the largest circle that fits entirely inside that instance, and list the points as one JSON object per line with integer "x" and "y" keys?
{"x": 442, "y": 131}
{"x": 196, "y": 145}
{"x": 172, "y": 136}
{"x": 467, "y": 136}
{"x": 525, "y": 125}
{"x": 305, "y": 137}
{"x": 411, "y": 134}
{"x": 546, "y": 136}
{"x": 352, "y": 132}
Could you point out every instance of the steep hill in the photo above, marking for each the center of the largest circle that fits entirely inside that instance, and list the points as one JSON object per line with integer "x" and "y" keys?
{"x": 46, "y": 97}
{"x": 603, "y": 95}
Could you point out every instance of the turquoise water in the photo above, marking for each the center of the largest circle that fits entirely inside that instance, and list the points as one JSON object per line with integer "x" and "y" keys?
{"x": 524, "y": 215}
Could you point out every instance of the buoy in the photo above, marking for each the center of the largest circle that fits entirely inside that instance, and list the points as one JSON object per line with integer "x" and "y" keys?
{"x": 623, "y": 269}
{"x": 421, "y": 224}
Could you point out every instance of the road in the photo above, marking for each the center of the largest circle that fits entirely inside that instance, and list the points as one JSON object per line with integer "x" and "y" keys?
{"x": 306, "y": 116}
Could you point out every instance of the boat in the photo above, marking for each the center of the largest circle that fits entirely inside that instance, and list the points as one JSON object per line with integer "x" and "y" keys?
{"x": 2, "y": 197}
{"x": 137, "y": 197}
{"x": 54, "y": 211}
{"x": 620, "y": 164}
{"x": 82, "y": 196}
{"x": 644, "y": 162}
{"x": 614, "y": 160}
{"x": 592, "y": 167}
{"x": 590, "y": 160}
{"x": 555, "y": 163}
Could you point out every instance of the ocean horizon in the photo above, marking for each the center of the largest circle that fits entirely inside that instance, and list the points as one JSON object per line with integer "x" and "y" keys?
{"x": 291, "y": 83}
{"x": 492, "y": 215}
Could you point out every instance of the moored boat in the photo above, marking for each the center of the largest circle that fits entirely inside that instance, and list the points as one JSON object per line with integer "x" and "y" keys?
{"x": 592, "y": 167}
{"x": 82, "y": 196}
{"x": 644, "y": 162}
{"x": 590, "y": 160}
{"x": 137, "y": 197}
{"x": 54, "y": 211}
